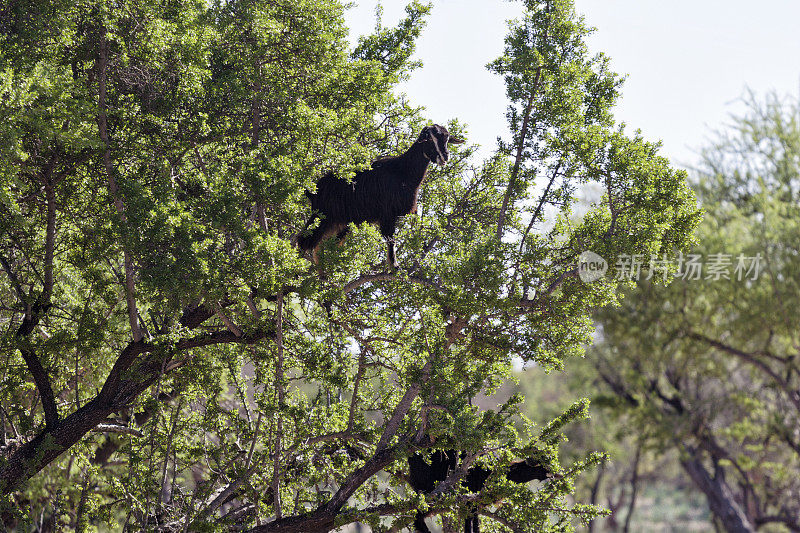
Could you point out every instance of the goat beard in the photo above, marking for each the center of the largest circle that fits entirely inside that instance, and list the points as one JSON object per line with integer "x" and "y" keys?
{"x": 442, "y": 155}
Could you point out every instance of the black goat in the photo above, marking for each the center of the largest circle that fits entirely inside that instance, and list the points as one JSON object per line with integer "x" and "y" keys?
{"x": 379, "y": 195}
{"x": 423, "y": 478}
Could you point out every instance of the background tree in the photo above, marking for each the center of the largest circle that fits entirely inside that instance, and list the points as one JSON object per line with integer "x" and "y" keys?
{"x": 707, "y": 368}
{"x": 170, "y": 363}
{"x": 642, "y": 487}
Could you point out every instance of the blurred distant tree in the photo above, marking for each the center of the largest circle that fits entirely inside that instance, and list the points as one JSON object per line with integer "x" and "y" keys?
{"x": 170, "y": 363}
{"x": 709, "y": 367}
{"x": 640, "y": 485}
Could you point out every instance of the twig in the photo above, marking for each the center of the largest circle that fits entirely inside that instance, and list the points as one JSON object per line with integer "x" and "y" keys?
{"x": 276, "y": 471}
{"x": 523, "y": 134}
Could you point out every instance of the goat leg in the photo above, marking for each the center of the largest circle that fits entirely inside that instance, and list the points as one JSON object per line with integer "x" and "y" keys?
{"x": 471, "y": 524}
{"x": 387, "y": 230}
{"x": 390, "y": 257}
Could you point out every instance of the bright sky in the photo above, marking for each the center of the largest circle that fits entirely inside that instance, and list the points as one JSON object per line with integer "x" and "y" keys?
{"x": 688, "y": 61}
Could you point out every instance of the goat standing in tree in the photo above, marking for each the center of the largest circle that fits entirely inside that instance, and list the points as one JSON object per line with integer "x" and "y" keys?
{"x": 423, "y": 478}
{"x": 380, "y": 195}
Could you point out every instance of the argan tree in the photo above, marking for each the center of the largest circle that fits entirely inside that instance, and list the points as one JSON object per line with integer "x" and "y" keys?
{"x": 169, "y": 361}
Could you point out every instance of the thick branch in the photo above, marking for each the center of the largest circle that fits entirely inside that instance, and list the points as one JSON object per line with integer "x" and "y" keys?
{"x": 49, "y": 444}
{"x": 122, "y": 386}
{"x": 720, "y": 498}
{"x": 33, "y": 313}
{"x": 232, "y": 327}
{"x": 194, "y": 316}
{"x": 39, "y": 374}
{"x": 13, "y": 278}
{"x": 50, "y": 242}
{"x": 42, "y": 381}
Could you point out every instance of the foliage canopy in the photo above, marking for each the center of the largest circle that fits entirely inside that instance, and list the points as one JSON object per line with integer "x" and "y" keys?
{"x": 170, "y": 362}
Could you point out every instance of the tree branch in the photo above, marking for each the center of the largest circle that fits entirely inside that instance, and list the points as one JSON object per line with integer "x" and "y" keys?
{"x": 276, "y": 471}
{"x": 40, "y": 376}
{"x": 122, "y": 387}
{"x": 33, "y": 313}
{"x": 113, "y": 189}
{"x": 720, "y": 498}
{"x": 753, "y": 360}
{"x": 523, "y": 134}
{"x": 323, "y": 518}
{"x": 402, "y": 408}
{"x": 50, "y": 239}
{"x": 116, "y": 428}
{"x": 233, "y": 328}
{"x": 42, "y": 381}
{"x": 13, "y": 278}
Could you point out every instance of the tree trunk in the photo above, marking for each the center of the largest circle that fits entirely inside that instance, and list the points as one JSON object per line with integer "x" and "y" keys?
{"x": 720, "y": 498}
{"x": 594, "y": 496}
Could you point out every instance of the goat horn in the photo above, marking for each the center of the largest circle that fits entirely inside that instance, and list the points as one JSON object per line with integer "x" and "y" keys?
{"x": 455, "y": 140}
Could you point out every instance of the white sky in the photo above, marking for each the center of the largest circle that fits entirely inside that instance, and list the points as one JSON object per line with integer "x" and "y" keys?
{"x": 688, "y": 62}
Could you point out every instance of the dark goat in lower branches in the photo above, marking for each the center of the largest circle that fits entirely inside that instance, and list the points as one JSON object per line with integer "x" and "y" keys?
{"x": 380, "y": 195}
{"x": 423, "y": 478}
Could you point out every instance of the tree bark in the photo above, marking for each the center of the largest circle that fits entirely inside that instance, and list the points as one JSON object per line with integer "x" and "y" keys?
{"x": 34, "y": 313}
{"x": 49, "y": 444}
